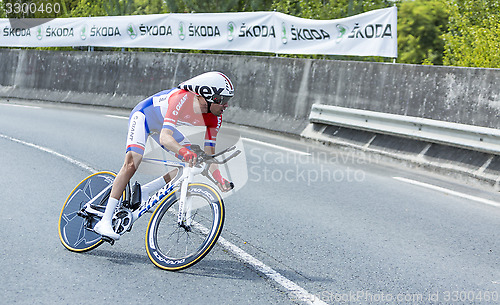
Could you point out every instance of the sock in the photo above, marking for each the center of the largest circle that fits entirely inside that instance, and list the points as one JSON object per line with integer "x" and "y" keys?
{"x": 110, "y": 209}
{"x": 151, "y": 187}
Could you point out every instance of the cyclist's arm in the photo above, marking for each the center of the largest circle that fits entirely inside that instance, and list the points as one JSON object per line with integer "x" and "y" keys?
{"x": 223, "y": 184}
{"x": 168, "y": 141}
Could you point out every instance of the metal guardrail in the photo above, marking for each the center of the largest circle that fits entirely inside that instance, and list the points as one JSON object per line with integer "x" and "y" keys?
{"x": 460, "y": 135}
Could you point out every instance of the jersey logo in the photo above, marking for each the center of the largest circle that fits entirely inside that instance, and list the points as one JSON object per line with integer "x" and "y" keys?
{"x": 179, "y": 105}
{"x": 158, "y": 99}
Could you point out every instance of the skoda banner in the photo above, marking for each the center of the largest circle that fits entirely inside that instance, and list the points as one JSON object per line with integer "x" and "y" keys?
{"x": 372, "y": 33}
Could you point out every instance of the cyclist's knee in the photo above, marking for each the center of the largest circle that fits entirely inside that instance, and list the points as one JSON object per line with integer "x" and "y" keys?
{"x": 132, "y": 161}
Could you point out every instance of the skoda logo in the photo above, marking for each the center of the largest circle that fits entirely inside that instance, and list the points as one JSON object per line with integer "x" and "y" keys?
{"x": 131, "y": 31}
{"x": 230, "y": 31}
{"x": 342, "y": 31}
{"x": 182, "y": 35}
{"x": 83, "y": 32}
{"x": 284, "y": 40}
{"x": 39, "y": 35}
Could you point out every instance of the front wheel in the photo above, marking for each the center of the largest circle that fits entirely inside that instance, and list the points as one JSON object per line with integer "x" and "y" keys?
{"x": 173, "y": 247}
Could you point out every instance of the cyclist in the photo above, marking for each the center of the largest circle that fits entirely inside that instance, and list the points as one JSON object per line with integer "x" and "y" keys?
{"x": 199, "y": 101}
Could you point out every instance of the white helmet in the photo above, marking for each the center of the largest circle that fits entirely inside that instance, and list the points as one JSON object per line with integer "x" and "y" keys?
{"x": 214, "y": 86}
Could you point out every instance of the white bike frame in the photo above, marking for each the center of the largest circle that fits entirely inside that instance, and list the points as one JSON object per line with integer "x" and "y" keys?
{"x": 184, "y": 178}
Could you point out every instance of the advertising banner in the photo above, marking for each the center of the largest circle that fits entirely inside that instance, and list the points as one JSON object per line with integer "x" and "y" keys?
{"x": 370, "y": 34}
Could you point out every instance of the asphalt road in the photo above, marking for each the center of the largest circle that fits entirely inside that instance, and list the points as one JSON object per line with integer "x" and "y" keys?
{"x": 335, "y": 223}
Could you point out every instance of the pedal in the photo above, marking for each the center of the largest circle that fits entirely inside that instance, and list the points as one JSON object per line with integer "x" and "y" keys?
{"x": 108, "y": 240}
{"x": 82, "y": 213}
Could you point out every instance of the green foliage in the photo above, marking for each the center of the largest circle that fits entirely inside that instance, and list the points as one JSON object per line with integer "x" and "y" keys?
{"x": 144, "y": 7}
{"x": 254, "y": 5}
{"x": 119, "y": 7}
{"x": 473, "y": 39}
{"x": 421, "y": 25}
{"x": 202, "y": 6}
{"x": 3, "y": 14}
{"x": 313, "y": 9}
{"x": 86, "y": 8}
{"x": 327, "y": 9}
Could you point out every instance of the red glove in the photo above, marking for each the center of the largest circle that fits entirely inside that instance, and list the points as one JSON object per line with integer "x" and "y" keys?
{"x": 218, "y": 177}
{"x": 187, "y": 154}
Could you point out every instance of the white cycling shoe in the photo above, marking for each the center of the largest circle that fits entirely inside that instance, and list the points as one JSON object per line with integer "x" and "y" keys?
{"x": 104, "y": 228}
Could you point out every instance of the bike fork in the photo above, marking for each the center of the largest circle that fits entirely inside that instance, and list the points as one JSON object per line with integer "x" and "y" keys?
{"x": 184, "y": 214}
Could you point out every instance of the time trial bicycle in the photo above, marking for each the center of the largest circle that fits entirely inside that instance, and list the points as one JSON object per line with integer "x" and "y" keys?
{"x": 183, "y": 228}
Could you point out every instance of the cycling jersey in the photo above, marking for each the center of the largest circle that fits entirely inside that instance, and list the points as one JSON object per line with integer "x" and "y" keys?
{"x": 168, "y": 109}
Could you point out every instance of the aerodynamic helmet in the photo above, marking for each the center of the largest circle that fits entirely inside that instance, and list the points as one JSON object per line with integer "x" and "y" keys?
{"x": 214, "y": 86}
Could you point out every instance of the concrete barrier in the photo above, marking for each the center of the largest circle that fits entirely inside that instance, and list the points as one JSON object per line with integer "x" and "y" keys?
{"x": 273, "y": 93}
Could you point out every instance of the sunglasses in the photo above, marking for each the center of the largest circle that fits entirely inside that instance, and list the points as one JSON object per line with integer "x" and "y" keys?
{"x": 220, "y": 99}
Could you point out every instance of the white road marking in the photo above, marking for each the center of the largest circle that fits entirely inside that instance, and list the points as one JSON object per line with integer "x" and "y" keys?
{"x": 116, "y": 116}
{"x": 277, "y": 147}
{"x": 52, "y": 152}
{"x": 294, "y": 290}
{"x": 450, "y": 192}
{"x": 23, "y": 106}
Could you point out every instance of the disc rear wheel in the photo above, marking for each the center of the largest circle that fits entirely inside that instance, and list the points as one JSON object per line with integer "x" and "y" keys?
{"x": 73, "y": 228}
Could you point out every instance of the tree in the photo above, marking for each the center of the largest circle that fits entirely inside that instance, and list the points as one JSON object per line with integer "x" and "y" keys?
{"x": 421, "y": 26}
{"x": 254, "y": 5}
{"x": 144, "y": 7}
{"x": 473, "y": 39}
{"x": 202, "y": 6}
{"x": 328, "y": 9}
{"x": 3, "y": 13}
{"x": 87, "y": 8}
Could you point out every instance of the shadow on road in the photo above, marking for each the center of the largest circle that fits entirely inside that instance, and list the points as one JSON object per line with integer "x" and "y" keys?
{"x": 120, "y": 258}
{"x": 212, "y": 268}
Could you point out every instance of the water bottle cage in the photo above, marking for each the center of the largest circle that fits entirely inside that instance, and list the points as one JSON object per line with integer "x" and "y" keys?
{"x": 135, "y": 199}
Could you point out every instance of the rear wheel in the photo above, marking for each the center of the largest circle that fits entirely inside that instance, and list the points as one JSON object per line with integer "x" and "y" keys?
{"x": 74, "y": 230}
{"x": 173, "y": 247}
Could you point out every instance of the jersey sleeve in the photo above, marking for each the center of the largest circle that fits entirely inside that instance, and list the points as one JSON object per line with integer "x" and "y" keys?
{"x": 175, "y": 104}
{"x": 213, "y": 126}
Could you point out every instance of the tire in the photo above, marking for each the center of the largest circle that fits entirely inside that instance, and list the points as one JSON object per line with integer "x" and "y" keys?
{"x": 172, "y": 247}
{"x": 72, "y": 227}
